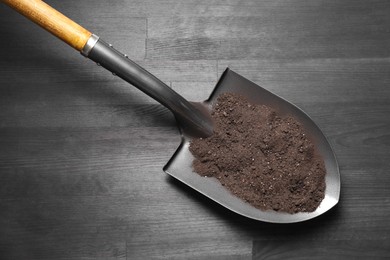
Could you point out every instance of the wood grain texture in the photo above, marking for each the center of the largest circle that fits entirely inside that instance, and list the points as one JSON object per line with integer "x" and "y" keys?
{"x": 278, "y": 33}
{"x": 311, "y": 250}
{"x": 81, "y": 151}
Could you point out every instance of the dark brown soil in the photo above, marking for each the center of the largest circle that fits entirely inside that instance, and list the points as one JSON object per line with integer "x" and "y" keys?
{"x": 261, "y": 157}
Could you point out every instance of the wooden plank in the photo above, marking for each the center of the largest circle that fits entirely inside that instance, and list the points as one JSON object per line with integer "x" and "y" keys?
{"x": 191, "y": 249}
{"x": 42, "y": 230}
{"x": 285, "y": 26}
{"x": 359, "y": 248}
{"x": 334, "y": 80}
{"x": 183, "y": 49}
{"x": 304, "y": 33}
{"x": 275, "y": 45}
{"x": 168, "y": 8}
{"x": 56, "y": 148}
{"x": 111, "y": 220}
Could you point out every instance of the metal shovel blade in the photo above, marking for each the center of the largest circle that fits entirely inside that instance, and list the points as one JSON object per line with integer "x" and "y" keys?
{"x": 180, "y": 165}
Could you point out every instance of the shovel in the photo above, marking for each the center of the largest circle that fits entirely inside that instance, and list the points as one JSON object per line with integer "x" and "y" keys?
{"x": 194, "y": 118}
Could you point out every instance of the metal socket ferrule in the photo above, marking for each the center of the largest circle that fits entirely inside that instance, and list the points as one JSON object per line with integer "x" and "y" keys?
{"x": 89, "y": 45}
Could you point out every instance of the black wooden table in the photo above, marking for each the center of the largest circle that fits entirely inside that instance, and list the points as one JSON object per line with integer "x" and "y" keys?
{"x": 81, "y": 151}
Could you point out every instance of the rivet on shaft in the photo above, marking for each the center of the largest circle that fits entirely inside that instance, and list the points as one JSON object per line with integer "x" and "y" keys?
{"x": 97, "y": 63}
{"x": 110, "y": 45}
{"x": 126, "y": 56}
{"x": 113, "y": 74}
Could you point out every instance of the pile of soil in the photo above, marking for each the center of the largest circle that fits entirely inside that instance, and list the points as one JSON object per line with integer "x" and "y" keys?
{"x": 261, "y": 157}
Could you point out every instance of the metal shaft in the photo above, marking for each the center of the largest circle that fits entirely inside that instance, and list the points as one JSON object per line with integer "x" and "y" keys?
{"x": 194, "y": 120}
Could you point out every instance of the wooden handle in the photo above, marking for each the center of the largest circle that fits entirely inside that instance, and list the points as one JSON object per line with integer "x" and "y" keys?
{"x": 52, "y": 20}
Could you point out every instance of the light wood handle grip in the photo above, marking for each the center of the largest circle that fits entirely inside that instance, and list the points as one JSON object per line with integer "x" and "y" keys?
{"x": 52, "y": 20}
